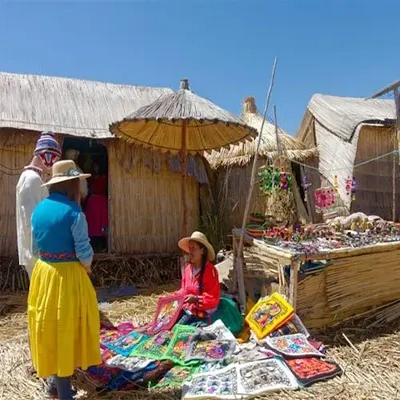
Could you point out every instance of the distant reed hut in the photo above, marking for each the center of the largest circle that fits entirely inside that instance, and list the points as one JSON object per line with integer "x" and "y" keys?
{"x": 233, "y": 167}
{"x": 348, "y": 131}
{"x": 145, "y": 209}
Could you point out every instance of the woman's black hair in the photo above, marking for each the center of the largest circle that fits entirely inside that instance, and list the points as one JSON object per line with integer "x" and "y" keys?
{"x": 204, "y": 259}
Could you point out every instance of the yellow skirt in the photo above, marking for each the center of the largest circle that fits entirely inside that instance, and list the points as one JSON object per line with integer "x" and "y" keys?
{"x": 63, "y": 318}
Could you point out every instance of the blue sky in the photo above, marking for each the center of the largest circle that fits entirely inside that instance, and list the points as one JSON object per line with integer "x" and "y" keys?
{"x": 226, "y": 48}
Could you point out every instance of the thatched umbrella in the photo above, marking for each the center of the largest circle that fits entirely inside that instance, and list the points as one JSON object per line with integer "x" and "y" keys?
{"x": 183, "y": 122}
{"x": 242, "y": 153}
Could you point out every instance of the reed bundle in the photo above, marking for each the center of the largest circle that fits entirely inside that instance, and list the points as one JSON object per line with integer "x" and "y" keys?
{"x": 142, "y": 271}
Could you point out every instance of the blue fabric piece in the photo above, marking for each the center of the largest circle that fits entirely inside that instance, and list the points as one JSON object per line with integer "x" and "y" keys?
{"x": 59, "y": 231}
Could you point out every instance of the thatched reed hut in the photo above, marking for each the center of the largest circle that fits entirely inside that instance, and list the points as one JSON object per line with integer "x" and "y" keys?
{"x": 145, "y": 209}
{"x": 233, "y": 167}
{"x": 348, "y": 131}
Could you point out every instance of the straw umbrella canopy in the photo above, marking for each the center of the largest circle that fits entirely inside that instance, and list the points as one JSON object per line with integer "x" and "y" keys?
{"x": 183, "y": 122}
{"x": 242, "y": 153}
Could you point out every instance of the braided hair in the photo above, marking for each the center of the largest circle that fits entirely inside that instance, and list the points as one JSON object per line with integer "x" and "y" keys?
{"x": 204, "y": 259}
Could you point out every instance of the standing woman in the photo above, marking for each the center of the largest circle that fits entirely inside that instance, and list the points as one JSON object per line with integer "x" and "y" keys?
{"x": 63, "y": 315}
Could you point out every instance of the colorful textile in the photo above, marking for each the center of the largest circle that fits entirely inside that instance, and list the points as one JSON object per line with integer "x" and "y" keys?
{"x": 324, "y": 198}
{"x": 111, "y": 334}
{"x": 294, "y": 325}
{"x": 295, "y": 345}
{"x": 47, "y": 144}
{"x": 176, "y": 377}
{"x": 155, "y": 375}
{"x": 210, "y": 350}
{"x": 229, "y": 314}
{"x": 96, "y": 212}
{"x": 268, "y": 314}
{"x": 264, "y": 376}
{"x": 222, "y": 384}
{"x": 131, "y": 364}
{"x": 154, "y": 347}
{"x": 212, "y": 366}
{"x": 180, "y": 341}
{"x": 102, "y": 374}
{"x": 126, "y": 344}
{"x": 310, "y": 370}
{"x": 221, "y": 332}
{"x": 167, "y": 313}
{"x": 209, "y": 297}
{"x": 66, "y": 336}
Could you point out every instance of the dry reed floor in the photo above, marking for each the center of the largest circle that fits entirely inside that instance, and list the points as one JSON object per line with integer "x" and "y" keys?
{"x": 370, "y": 359}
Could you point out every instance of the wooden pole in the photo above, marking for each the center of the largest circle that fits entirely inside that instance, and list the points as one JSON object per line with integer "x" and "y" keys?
{"x": 239, "y": 265}
{"x": 397, "y": 139}
{"x": 183, "y": 183}
{"x": 278, "y": 142}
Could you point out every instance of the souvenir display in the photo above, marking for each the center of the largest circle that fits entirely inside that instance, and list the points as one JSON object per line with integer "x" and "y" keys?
{"x": 264, "y": 376}
{"x": 294, "y": 346}
{"x": 324, "y": 198}
{"x": 210, "y": 350}
{"x": 220, "y": 331}
{"x": 212, "y": 366}
{"x": 132, "y": 364}
{"x": 176, "y": 377}
{"x": 180, "y": 341}
{"x": 167, "y": 313}
{"x": 125, "y": 344}
{"x": 310, "y": 370}
{"x": 221, "y": 384}
{"x": 271, "y": 179}
{"x": 294, "y": 325}
{"x": 351, "y": 187}
{"x": 268, "y": 314}
{"x": 155, "y": 347}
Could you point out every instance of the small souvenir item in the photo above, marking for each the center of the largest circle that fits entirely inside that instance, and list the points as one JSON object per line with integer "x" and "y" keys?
{"x": 351, "y": 187}
{"x": 310, "y": 370}
{"x": 210, "y": 350}
{"x": 155, "y": 347}
{"x": 220, "y": 384}
{"x": 125, "y": 344}
{"x": 268, "y": 314}
{"x": 335, "y": 184}
{"x": 264, "y": 376}
{"x": 180, "y": 341}
{"x": 324, "y": 198}
{"x": 294, "y": 346}
{"x": 305, "y": 185}
{"x": 272, "y": 179}
{"x": 167, "y": 313}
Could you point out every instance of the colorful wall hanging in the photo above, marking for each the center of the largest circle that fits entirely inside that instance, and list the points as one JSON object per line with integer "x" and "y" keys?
{"x": 179, "y": 344}
{"x": 125, "y": 344}
{"x": 294, "y": 325}
{"x": 155, "y": 347}
{"x": 294, "y": 346}
{"x": 220, "y": 384}
{"x": 351, "y": 187}
{"x": 268, "y": 314}
{"x": 264, "y": 376}
{"x": 176, "y": 377}
{"x": 324, "y": 198}
{"x": 167, "y": 313}
{"x": 210, "y": 350}
{"x": 271, "y": 179}
{"x": 310, "y": 370}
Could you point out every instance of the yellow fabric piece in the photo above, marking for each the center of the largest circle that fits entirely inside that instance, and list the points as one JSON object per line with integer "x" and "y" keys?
{"x": 269, "y": 314}
{"x": 63, "y": 318}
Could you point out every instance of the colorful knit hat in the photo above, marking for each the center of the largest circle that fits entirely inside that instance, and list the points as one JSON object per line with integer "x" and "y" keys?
{"x": 47, "y": 144}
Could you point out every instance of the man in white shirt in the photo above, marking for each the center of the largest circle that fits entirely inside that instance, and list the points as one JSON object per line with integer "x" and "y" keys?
{"x": 29, "y": 193}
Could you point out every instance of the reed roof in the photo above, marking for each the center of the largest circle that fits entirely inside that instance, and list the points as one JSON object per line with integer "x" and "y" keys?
{"x": 159, "y": 124}
{"x": 241, "y": 154}
{"x": 68, "y": 106}
{"x": 342, "y": 116}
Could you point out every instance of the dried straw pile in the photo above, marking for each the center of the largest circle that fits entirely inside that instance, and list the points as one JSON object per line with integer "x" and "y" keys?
{"x": 120, "y": 271}
{"x": 370, "y": 361}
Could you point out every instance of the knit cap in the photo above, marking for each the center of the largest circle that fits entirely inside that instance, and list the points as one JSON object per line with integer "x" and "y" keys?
{"x": 47, "y": 144}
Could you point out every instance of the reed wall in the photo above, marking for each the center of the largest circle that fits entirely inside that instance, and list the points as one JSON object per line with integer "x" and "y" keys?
{"x": 146, "y": 207}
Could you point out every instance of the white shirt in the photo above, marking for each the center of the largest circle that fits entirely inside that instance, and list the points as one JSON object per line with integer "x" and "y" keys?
{"x": 28, "y": 194}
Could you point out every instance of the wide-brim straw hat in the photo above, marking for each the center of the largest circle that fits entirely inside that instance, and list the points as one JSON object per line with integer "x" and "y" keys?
{"x": 65, "y": 170}
{"x": 200, "y": 238}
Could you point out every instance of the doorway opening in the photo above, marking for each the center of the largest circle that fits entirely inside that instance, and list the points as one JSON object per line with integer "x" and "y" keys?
{"x": 91, "y": 157}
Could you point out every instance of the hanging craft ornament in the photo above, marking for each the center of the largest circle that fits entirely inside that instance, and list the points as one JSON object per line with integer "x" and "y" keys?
{"x": 351, "y": 187}
{"x": 305, "y": 185}
{"x": 324, "y": 198}
{"x": 272, "y": 179}
{"x": 336, "y": 184}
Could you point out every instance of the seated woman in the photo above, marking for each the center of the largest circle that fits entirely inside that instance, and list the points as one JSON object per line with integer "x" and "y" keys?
{"x": 200, "y": 283}
{"x": 63, "y": 315}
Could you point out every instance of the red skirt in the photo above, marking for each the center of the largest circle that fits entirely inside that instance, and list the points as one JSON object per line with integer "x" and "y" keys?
{"x": 97, "y": 215}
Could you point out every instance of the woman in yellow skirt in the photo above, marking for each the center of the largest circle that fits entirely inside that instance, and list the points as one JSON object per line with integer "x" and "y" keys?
{"x": 63, "y": 314}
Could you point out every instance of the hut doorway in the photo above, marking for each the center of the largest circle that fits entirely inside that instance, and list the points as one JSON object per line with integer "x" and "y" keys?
{"x": 92, "y": 157}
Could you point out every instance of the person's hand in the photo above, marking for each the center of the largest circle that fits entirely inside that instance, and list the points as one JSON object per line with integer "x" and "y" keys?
{"x": 88, "y": 268}
{"x": 190, "y": 299}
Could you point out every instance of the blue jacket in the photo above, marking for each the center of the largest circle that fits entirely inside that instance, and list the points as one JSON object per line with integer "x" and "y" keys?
{"x": 60, "y": 232}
